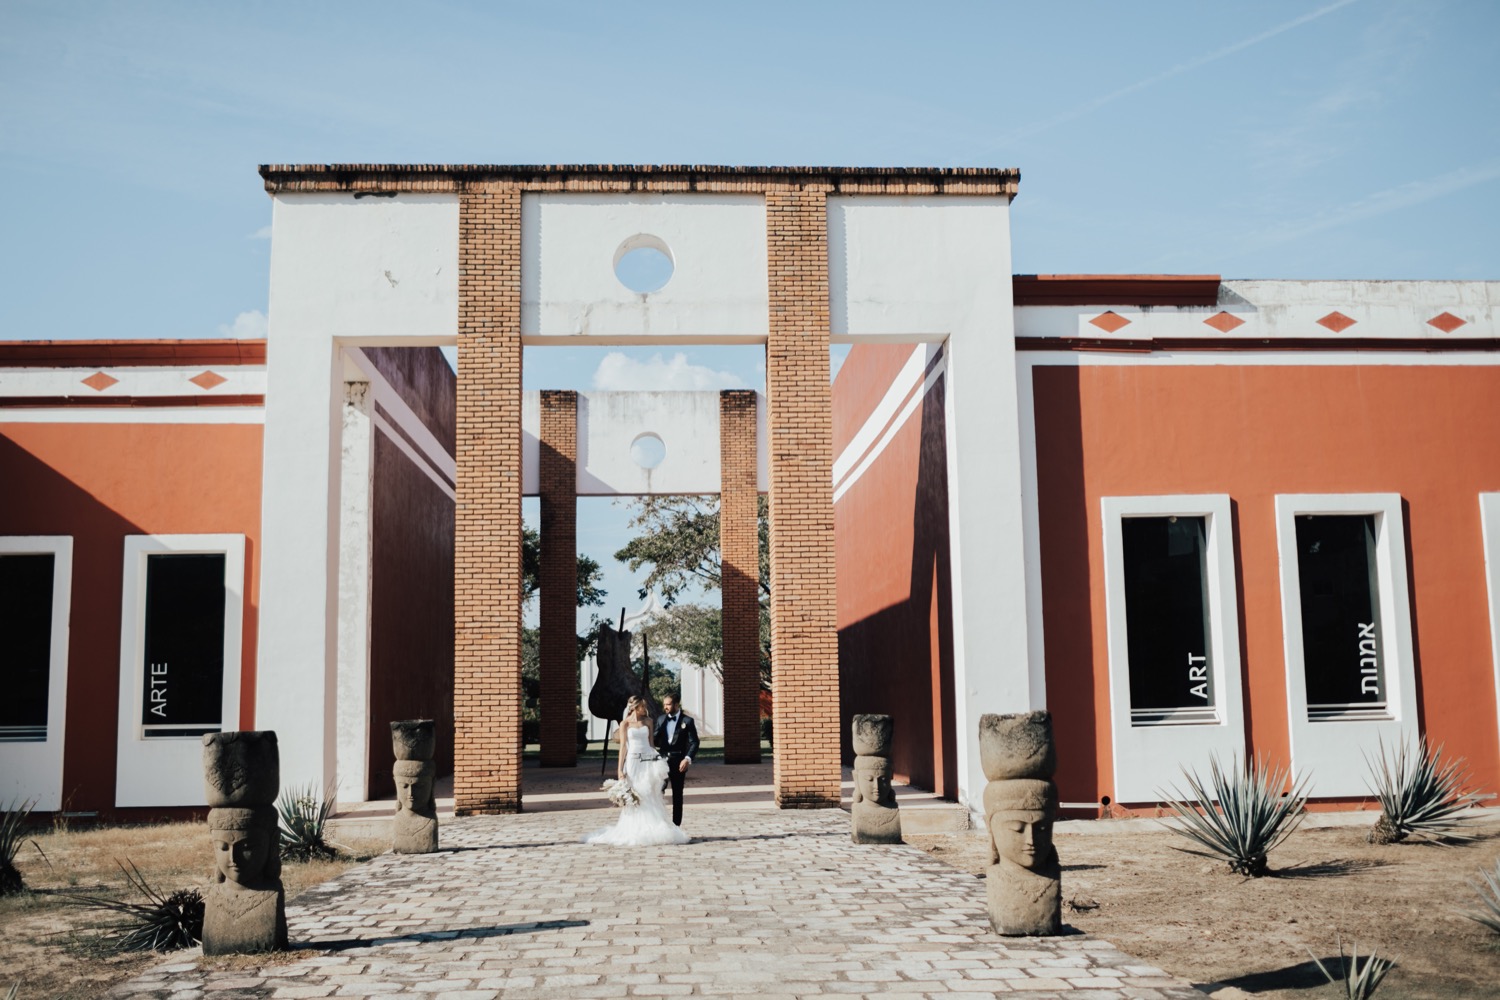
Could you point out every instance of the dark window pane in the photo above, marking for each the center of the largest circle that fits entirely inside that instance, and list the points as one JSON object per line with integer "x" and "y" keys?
{"x": 1166, "y": 620}
{"x": 1342, "y": 645}
{"x": 25, "y": 645}
{"x": 182, "y": 683}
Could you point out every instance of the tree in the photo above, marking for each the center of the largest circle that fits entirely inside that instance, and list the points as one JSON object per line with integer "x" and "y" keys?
{"x": 678, "y": 537}
{"x": 590, "y": 595}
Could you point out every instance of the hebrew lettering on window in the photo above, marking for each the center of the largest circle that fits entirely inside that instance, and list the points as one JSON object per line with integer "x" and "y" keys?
{"x": 1342, "y": 640}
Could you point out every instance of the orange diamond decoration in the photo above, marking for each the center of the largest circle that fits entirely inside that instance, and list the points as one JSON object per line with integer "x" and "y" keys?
{"x": 1446, "y": 321}
{"x": 1224, "y": 322}
{"x": 1336, "y": 321}
{"x": 208, "y": 380}
{"x": 99, "y": 381}
{"x": 1110, "y": 322}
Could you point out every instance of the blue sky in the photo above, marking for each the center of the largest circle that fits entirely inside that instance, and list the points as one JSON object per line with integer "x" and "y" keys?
{"x": 1343, "y": 139}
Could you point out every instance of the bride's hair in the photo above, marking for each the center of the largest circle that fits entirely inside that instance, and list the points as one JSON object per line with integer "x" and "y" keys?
{"x": 635, "y": 704}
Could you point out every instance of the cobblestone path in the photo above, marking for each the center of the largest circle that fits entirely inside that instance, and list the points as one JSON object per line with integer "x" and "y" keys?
{"x": 763, "y": 903}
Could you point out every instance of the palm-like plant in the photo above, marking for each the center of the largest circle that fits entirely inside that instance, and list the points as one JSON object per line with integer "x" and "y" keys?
{"x": 1360, "y": 981}
{"x": 1419, "y": 793}
{"x": 164, "y": 922}
{"x": 304, "y": 818}
{"x": 1489, "y": 896}
{"x": 12, "y": 837}
{"x": 1243, "y": 817}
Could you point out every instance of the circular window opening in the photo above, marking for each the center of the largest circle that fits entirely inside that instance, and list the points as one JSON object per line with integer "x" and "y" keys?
{"x": 647, "y": 450}
{"x": 643, "y": 263}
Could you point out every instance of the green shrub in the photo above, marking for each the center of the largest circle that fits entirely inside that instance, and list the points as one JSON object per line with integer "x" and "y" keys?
{"x": 1360, "y": 981}
{"x": 1419, "y": 793}
{"x": 304, "y": 818}
{"x": 12, "y": 837}
{"x": 1489, "y": 896}
{"x": 164, "y": 922}
{"x": 1243, "y": 818}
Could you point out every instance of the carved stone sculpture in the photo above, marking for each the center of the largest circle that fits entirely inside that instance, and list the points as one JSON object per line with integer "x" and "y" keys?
{"x": 245, "y": 908}
{"x": 875, "y": 817}
{"x": 1024, "y": 882}
{"x": 415, "y": 828}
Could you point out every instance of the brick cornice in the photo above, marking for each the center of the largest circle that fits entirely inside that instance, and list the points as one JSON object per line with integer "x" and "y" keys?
{"x": 391, "y": 178}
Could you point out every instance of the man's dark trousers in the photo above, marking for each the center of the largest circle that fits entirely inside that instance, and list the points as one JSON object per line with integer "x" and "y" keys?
{"x": 684, "y": 743}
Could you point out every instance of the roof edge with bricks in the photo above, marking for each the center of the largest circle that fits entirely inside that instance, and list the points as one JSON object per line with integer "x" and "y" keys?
{"x": 661, "y": 178}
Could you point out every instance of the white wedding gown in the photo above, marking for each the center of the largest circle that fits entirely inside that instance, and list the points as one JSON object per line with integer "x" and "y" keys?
{"x": 645, "y": 824}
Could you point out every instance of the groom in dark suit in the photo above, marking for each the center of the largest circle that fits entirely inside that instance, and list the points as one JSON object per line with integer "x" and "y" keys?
{"x": 677, "y": 740}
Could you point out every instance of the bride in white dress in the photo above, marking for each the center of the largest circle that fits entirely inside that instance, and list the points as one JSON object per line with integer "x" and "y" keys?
{"x": 646, "y": 823}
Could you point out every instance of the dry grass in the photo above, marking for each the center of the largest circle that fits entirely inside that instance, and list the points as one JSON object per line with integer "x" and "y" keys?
{"x": 1188, "y": 915}
{"x": 54, "y": 948}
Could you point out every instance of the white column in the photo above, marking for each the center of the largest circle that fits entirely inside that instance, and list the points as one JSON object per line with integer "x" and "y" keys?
{"x": 295, "y": 690}
{"x": 356, "y": 525}
{"x": 993, "y": 669}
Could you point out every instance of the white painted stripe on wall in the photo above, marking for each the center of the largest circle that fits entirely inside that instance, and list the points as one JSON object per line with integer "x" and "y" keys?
{"x": 1284, "y": 358}
{"x": 85, "y": 414}
{"x": 890, "y": 431}
{"x": 900, "y": 387}
{"x": 390, "y": 400}
{"x": 411, "y": 453}
{"x": 239, "y": 380}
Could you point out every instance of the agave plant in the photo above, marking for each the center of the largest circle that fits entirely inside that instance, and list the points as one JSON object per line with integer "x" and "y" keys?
{"x": 1489, "y": 896}
{"x": 164, "y": 922}
{"x": 304, "y": 819}
{"x": 1360, "y": 981}
{"x": 1419, "y": 793}
{"x": 1244, "y": 816}
{"x": 12, "y": 838}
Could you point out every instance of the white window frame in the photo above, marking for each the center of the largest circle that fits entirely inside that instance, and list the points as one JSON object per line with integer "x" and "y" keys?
{"x": 1489, "y": 526}
{"x": 167, "y": 771}
{"x": 33, "y": 772}
{"x": 1332, "y": 753}
{"x": 1148, "y": 760}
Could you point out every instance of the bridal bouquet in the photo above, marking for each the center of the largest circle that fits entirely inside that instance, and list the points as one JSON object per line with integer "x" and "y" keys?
{"x": 620, "y": 793}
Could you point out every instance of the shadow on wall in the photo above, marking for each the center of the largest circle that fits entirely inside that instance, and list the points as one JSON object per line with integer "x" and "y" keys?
{"x": 899, "y": 661}
{"x": 1067, "y": 612}
{"x": 47, "y": 502}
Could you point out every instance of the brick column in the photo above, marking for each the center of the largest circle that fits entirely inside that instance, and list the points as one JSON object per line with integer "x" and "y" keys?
{"x": 557, "y": 481}
{"x": 739, "y": 550}
{"x": 804, "y": 640}
{"x": 487, "y": 571}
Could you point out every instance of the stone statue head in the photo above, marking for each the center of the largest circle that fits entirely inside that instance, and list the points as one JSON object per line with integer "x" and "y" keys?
{"x": 1017, "y": 745}
{"x": 872, "y": 781}
{"x": 414, "y": 785}
{"x": 241, "y": 768}
{"x": 872, "y": 735}
{"x": 246, "y": 847}
{"x": 1020, "y": 814}
{"x": 414, "y": 739}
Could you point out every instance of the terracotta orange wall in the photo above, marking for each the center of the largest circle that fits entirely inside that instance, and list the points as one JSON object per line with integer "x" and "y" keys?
{"x": 1430, "y": 433}
{"x": 99, "y": 483}
{"x": 890, "y": 529}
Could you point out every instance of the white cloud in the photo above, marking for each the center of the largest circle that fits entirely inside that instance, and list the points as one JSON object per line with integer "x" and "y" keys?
{"x": 246, "y": 326}
{"x": 1377, "y": 204}
{"x": 620, "y": 372}
{"x": 263, "y": 233}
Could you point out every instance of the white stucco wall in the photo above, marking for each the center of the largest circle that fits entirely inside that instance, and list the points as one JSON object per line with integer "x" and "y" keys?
{"x": 717, "y": 291}
{"x": 937, "y": 268}
{"x": 1290, "y": 310}
{"x": 344, "y": 270}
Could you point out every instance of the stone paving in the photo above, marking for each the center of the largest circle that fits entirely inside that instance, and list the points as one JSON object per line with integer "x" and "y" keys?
{"x": 763, "y": 903}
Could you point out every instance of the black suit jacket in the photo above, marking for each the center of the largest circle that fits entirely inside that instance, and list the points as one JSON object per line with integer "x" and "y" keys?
{"x": 686, "y": 742}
